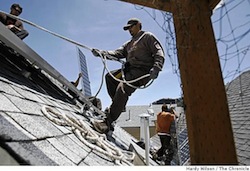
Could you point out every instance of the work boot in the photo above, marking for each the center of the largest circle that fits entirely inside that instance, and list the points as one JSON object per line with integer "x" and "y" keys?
{"x": 110, "y": 125}
{"x": 101, "y": 126}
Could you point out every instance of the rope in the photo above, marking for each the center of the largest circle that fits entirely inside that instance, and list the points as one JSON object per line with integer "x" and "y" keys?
{"x": 104, "y": 60}
{"x": 48, "y": 31}
{"x": 103, "y": 57}
{"x": 89, "y": 137}
{"x": 100, "y": 87}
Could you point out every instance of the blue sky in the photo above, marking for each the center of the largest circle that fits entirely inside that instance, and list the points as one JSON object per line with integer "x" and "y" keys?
{"x": 96, "y": 24}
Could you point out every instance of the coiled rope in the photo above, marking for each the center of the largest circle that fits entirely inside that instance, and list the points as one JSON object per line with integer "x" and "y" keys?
{"x": 103, "y": 57}
{"x": 89, "y": 137}
{"x": 104, "y": 60}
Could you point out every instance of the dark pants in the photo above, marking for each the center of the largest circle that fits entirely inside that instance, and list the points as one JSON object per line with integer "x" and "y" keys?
{"x": 120, "y": 92}
{"x": 165, "y": 142}
{"x": 22, "y": 34}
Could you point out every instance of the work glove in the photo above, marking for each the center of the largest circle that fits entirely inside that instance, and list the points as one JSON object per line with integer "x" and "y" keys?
{"x": 154, "y": 72}
{"x": 96, "y": 52}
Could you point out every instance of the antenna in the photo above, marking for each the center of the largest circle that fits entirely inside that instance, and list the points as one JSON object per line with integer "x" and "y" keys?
{"x": 129, "y": 118}
{"x": 150, "y": 110}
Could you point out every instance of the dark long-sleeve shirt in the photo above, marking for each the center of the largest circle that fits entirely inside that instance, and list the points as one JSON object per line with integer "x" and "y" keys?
{"x": 143, "y": 50}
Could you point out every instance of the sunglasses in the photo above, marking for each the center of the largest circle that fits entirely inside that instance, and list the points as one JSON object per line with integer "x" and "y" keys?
{"x": 18, "y": 10}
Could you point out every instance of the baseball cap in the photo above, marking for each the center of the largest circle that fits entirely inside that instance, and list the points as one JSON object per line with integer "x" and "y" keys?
{"x": 131, "y": 22}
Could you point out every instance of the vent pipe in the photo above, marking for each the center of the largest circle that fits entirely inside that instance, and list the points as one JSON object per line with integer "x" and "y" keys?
{"x": 144, "y": 134}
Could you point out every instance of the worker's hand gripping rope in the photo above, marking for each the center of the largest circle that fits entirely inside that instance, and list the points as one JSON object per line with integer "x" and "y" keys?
{"x": 154, "y": 72}
{"x": 103, "y": 56}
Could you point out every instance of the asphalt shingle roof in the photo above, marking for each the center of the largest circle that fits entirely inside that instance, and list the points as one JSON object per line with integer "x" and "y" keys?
{"x": 238, "y": 94}
{"x": 28, "y": 136}
{"x": 31, "y": 138}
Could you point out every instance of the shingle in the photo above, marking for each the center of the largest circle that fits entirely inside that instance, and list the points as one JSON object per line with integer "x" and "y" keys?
{"x": 25, "y": 132}
{"x": 76, "y": 141}
{"x": 239, "y": 106}
{"x": 65, "y": 149}
{"x": 10, "y": 130}
{"x": 7, "y": 88}
{"x": 25, "y": 105}
{"x": 80, "y": 149}
{"x": 95, "y": 160}
{"x": 27, "y": 93}
{"x": 39, "y": 153}
{"x": 248, "y": 156}
{"x": 7, "y": 105}
{"x": 38, "y": 126}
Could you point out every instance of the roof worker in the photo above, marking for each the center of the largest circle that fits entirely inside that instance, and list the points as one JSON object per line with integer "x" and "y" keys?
{"x": 75, "y": 83}
{"x": 164, "y": 120}
{"x": 94, "y": 100}
{"x": 144, "y": 55}
{"x": 16, "y": 26}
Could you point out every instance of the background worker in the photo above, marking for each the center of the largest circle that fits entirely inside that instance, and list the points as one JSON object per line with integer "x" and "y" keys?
{"x": 164, "y": 120}
{"x": 144, "y": 55}
{"x": 75, "y": 83}
{"x": 94, "y": 100}
{"x": 16, "y": 26}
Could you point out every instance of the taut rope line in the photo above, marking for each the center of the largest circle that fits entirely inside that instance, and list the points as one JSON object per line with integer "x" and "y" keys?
{"x": 48, "y": 31}
{"x": 103, "y": 57}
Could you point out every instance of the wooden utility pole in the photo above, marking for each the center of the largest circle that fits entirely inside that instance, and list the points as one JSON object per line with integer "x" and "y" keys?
{"x": 208, "y": 121}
